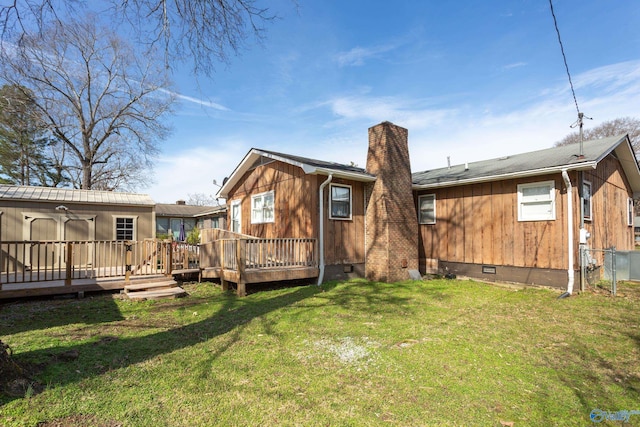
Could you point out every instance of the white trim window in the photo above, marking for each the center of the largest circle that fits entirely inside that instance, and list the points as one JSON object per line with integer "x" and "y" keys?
{"x": 537, "y": 201}
{"x": 630, "y": 212}
{"x": 262, "y": 208}
{"x": 124, "y": 227}
{"x": 586, "y": 201}
{"x": 236, "y": 216}
{"x": 427, "y": 208}
{"x": 339, "y": 201}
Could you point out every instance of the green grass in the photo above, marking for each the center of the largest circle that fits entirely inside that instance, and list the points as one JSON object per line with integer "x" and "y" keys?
{"x": 440, "y": 352}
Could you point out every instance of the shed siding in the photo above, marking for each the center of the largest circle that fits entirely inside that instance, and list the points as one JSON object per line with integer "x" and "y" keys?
{"x": 13, "y": 213}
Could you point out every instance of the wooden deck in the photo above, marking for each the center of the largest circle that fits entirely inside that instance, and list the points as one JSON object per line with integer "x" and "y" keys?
{"x": 243, "y": 259}
{"x": 29, "y": 268}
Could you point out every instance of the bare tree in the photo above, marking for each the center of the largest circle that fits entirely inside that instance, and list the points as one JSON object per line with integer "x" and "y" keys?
{"x": 106, "y": 104}
{"x": 203, "y": 31}
{"x": 618, "y": 126}
{"x": 201, "y": 199}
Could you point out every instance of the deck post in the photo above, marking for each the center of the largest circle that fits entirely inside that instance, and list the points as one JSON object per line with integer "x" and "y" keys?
{"x": 169, "y": 267}
{"x": 127, "y": 272}
{"x": 69, "y": 261}
{"x": 241, "y": 254}
{"x": 242, "y": 289}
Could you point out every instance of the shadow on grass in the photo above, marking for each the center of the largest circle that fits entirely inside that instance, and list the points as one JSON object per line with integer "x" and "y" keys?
{"x": 31, "y": 315}
{"x": 111, "y": 352}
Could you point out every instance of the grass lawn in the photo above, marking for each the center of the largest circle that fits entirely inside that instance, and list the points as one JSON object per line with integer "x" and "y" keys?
{"x": 451, "y": 353}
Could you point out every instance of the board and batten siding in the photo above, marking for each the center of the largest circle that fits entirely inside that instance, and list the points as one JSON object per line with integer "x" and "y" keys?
{"x": 296, "y": 208}
{"x": 611, "y": 191}
{"x": 478, "y": 224}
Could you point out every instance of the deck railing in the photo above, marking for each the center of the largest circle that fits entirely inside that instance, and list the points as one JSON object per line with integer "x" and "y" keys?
{"x": 67, "y": 261}
{"x": 37, "y": 261}
{"x": 259, "y": 253}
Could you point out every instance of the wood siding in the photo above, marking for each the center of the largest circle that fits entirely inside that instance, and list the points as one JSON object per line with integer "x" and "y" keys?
{"x": 478, "y": 224}
{"x": 610, "y": 188}
{"x": 296, "y": 210}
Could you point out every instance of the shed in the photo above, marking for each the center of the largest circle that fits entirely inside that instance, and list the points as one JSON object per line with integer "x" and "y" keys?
{"x": 44, "y": 214}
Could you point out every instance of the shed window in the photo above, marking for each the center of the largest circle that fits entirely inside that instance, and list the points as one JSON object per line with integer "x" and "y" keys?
{"x": 586, "y": 201}
{"x": 125, "y": 228}
{"x": 262, "y": 208}
{"x": 427, "y": 209}
{"x": 340, "y": 202}
{"x": 630, "y": 212}
{"x": 536, "y": 201}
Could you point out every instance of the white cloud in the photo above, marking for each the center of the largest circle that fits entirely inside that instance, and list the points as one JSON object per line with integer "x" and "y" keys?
{"x": 193, "y": 171}
{"x": 197, "y": 101}
{"x": 358, "y": 55}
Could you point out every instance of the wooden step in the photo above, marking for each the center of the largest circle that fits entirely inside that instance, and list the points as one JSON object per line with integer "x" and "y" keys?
{"x": 175, "y": 292}
{"x": 148, "y": 286}
{"x": 185, "y": 271}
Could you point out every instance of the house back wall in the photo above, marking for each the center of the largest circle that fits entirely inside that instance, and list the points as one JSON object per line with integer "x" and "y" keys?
{"x": 296, "y": 210}
{"x": 478, "y": 224}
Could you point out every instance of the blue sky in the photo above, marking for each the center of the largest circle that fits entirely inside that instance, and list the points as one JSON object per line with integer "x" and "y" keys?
{"x": 472, "y": 80}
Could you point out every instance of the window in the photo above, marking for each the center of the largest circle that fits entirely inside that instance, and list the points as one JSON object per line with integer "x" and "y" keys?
{"x": 162, "y": 225}
{"x": 262, "y": 208}
{"x": 125, "y": 228}
{"x": 630, "y": 212}
{"x": 235, "y": 215}
{"x": 340, "y": 202}
{"x": 427, "y": 209}
{"x": 586, "y": 201}
{"x": 536, "y": 201}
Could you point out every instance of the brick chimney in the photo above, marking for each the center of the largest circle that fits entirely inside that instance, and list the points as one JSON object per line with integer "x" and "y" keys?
{"x": 391, "y": 220}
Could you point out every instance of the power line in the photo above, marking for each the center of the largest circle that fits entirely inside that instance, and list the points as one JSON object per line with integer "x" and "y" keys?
{"x": 564, "y": 57}
{"x": 579, "y": 123}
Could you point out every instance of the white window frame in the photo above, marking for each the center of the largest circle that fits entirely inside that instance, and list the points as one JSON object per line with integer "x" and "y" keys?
{"x": 630, "y": 212}
{"x": 236, "y": 204}
{"x": 587, "y": 216}
{"x": 340, "y": 218}
{"x": 537, "y": 199}
{"x": 134, "y": 232}
{"x": 261, "y": 213}
{"x": 421, "y": 219}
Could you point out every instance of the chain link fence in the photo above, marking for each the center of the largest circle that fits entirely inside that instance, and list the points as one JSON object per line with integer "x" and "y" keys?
{"x": 598, "y": 269}
{"x": 604, "y": 268}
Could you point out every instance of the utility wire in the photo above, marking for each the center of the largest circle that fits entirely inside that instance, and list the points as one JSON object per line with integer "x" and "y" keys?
{"x": 564, "y": 57}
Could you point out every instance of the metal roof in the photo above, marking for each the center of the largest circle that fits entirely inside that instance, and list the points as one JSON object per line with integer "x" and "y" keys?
{"x": 68, "y": 195}
{"x": 255, "y": 157}
{"x": 550, "y": 160}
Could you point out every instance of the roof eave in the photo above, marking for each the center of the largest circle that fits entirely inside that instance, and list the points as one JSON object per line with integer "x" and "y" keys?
{"x": 513, "y": 175}
{"x": 308, "y": 169}
{"x": 355, "y": 176}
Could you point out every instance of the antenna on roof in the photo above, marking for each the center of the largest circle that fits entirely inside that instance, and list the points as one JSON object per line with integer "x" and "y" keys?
{"x": 579, "y": 124}
{"x": 581, "y": 116}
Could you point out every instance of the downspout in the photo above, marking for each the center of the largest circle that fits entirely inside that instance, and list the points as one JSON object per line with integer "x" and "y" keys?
{"x": 571, "y": 273}
{"x": 321, "y": 236}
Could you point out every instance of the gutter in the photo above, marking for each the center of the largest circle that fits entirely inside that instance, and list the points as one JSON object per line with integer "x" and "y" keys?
{"x": 534, "y": 172}
{"x": 321, "y": 236}
{"x": 570, "y": 271}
